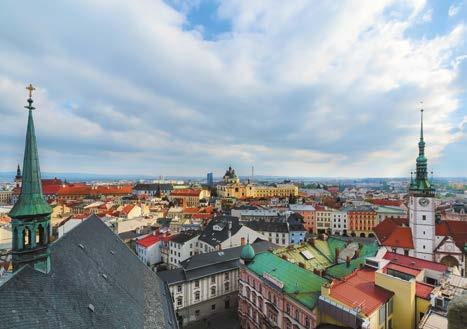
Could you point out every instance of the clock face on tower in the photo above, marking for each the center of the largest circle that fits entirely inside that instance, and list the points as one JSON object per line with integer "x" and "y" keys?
{"x": 423, "y": 202}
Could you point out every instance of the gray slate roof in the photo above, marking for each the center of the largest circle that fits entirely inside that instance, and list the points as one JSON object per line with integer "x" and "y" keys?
{"x": 213, "y": 237}
{"x": 263, "y": 226}
{"x": 129, "y": 296}
{"x": 202, "y": 265}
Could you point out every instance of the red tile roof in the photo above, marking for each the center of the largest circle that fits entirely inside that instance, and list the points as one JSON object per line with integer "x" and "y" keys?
{"x": 185, "y": 192}
{"x": 404, "y": 269}
{"x": 126, "y": 210}
{"x": 359, "y": 290}
{"x": 393, "y": 232}
{"x": 386, "y": 202}
{"x": 401, "y": 237}
{"x": 80, "y": 189}
{"x": 148, "y": 240}
{"x": 454, "y": 228}
{"x": 413, "y": 262}
{"x": 423, "y": 290}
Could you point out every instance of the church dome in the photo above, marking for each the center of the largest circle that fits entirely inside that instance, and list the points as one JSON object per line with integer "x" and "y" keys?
{"x": 248, "y": 253}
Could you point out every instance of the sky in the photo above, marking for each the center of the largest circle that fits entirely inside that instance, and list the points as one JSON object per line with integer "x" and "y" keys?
{"x": 297, "y": 88}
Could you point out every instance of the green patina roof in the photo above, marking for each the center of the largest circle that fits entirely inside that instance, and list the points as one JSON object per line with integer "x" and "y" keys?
{"x": 300, "y": 284}
{"x": 31, "y": 202}
{"x": 248, "y": 253}
{"x": 340, "y": 270}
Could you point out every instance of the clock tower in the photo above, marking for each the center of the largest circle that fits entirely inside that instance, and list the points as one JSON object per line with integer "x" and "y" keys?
{"x": 422, "y": 206}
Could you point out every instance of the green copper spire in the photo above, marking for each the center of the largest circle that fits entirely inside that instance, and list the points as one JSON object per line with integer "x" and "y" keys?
{"x": 31, "y": 213}
{"x": 421, "y": 184}
{"x": 31, "y": 202}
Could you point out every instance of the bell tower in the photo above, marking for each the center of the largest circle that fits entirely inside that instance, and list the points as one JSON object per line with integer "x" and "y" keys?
{"x": 31, "y": 213}
{"x": 422, "y": 205}
{"x": 18, "y": 177}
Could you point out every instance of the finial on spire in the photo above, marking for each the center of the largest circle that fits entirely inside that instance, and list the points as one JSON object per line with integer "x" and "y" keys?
{"x": 30, "y": 88}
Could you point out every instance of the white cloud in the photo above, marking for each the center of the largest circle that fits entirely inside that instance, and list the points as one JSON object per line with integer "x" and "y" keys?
{"x": 296, "y": 87}
{"x": 454, "y": 9}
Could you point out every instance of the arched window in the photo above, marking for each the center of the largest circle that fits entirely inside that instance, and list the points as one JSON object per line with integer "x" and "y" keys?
{"x": 40, "y": 235}
{"x": 26, "y": 238}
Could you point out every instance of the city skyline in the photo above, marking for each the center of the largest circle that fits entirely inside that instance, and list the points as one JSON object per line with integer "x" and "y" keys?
{"x": 242, "y": 85}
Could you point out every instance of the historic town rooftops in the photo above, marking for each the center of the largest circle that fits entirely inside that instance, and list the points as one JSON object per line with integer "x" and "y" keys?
{"x": 185, "y": 236}
{"x": 95, "y": 282}
{"x": 298, "y": 283}
{"x": 415, "y": 263}
{"x": 358, "y": 290}
{"x": 210, "y": 263}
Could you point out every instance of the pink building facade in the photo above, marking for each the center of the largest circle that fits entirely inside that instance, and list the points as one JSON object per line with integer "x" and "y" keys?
{"x": 262, "y": 304}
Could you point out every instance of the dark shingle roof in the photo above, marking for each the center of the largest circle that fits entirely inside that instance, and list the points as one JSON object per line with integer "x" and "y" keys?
{"x": 185, "y": 236}
{"x": 213, "y": 237}
{"x": 123, "y": 292}
{"x": 263, "y": 226}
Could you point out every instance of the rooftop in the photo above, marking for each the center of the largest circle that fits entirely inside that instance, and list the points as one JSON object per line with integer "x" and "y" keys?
{"x": 358, "y": 290}
{"x": 299, "y": 283}
{"x": 415, "y": 263}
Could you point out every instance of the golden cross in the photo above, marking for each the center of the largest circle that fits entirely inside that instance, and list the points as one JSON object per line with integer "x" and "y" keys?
{"x": 31, "y": 89}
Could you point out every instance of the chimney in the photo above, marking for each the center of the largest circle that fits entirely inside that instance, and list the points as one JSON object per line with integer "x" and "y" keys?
{"x": 357, "y": 254}
{"x": 301, "y": 265}
{"x": 347, "y": 261}
{"x": 284, "y": 257}
{"x": 337, "y": 255}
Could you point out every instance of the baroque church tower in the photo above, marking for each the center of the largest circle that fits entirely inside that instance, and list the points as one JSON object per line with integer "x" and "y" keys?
{"x": 422, "y": 206}
{"x": 31, "y": 213}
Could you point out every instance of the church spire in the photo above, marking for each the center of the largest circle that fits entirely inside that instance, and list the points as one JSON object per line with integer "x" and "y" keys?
{"x": 421, "y": 184}
{"x": 31, "y": 202}
{"x": 31, "y": 213}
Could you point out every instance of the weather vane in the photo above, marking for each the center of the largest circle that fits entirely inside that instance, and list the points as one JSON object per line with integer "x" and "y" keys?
{"x": 30, "y": 88}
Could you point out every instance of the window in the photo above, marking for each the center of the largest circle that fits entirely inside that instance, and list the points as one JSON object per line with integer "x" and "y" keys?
{"x": 179, "y": 288}
{"x": 226, "y": 276}
{"x": 226, "y": 286}
{"x": 424, "y": 217}
{"x": 179, "y": 301}
{"x": 196, "y": 283}
{"x": 197, "y": 313}
{"x": 287, "y": 309}
{"x": 213, "y": 279}
{"x": 297, "y": 315}
{"x": 382, "y": 315}
{"x": 213, "y": 307}
{"x": 197, "y": 295}
{"x": 307, "y": 322}
{"x": 213, "y": 291}
{"x": 390, "y": 306}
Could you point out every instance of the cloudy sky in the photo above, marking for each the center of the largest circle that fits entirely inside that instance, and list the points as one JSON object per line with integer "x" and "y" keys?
{"x": 300, "y": 88}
